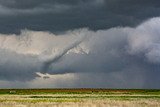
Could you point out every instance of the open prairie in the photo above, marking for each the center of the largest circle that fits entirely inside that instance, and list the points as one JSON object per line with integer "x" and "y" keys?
{"x": 79, "y": 98}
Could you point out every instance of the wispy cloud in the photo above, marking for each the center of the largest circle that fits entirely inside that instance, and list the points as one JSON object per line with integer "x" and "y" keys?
{"x": 57, "y": 8}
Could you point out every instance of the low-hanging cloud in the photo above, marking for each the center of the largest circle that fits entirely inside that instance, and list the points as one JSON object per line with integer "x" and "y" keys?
{"x": 145, "y": 39}
{"x": 56, "y": 57}
{"x": 117, "y": 50}
{"x": 32, "y": 52}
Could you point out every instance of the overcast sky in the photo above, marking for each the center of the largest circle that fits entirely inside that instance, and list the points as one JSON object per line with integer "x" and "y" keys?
{"x": 79, "y": 43}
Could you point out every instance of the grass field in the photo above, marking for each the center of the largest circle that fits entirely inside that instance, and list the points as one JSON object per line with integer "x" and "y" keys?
{"x": 79, "y": 98}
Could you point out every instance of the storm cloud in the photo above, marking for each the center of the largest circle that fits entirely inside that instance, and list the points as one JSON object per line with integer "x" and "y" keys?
{"x": 121, "y": 53}
{"x": 79, "y": 43}
{"x": 58, "y": 16}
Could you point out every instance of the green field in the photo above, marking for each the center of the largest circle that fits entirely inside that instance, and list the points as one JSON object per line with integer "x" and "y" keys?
{"x": 79, "y": 98}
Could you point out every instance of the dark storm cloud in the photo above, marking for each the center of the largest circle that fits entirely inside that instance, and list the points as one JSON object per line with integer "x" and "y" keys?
{"x": 62, "y": 15}
{"x": 121, "y": 55}
{"x": 19, "y": 67}
{"x": 22, "y": 56}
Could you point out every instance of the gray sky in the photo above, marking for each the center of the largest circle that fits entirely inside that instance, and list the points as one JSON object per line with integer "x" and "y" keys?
{"x": 60, "y": 15}
{"x": 79, "y": 43}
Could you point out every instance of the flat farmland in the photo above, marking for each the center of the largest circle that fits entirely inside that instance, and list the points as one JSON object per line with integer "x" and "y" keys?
{"x": 79, "y": 98}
